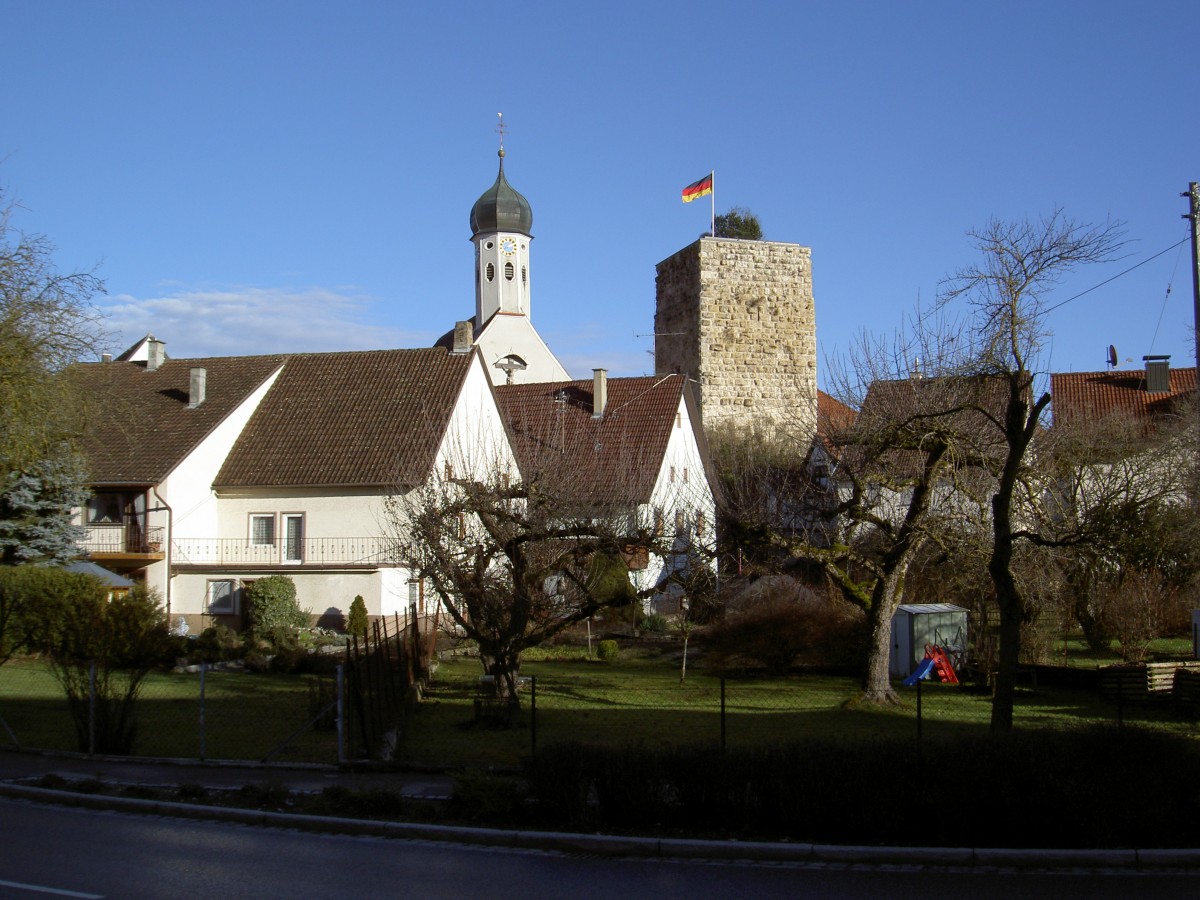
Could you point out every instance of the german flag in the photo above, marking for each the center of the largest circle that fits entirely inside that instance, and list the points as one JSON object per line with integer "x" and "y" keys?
{"x": 698, "y": 188}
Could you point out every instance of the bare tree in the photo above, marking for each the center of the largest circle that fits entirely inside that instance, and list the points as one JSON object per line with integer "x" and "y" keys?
{"x": 906, "y": 472}
{"x": 46, "y": 322}
{"x": 516, "y": 559}
{"x": 1118, "y": 512}
{"x": 1005, "y": 292}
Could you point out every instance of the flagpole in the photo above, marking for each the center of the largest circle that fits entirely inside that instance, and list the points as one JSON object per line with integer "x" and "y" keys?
{"x": 712, "y": 195}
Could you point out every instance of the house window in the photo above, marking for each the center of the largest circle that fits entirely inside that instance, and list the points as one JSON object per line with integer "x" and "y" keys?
{"x": 699, "y": 523}
{"x": 685, "y": 475}
{"x": 671, "y": 477}
{"x": 490, "y": 272}
{"x": 262, "y": 529}
{"x": 293, "y": 537}
{"x": 680, "y": 521}
{"x": 658, "y": 520}
{"x": 105, "y": 509}
{"x": 448, "y": 469}
{"x": 414, "y": 591}
{"x": 678, "y": 420}
{"x": 509, "y": 271}
{"x": 461, "y": 525}
{"x": 223, "y": 597}
{"x": 524, "y": 275}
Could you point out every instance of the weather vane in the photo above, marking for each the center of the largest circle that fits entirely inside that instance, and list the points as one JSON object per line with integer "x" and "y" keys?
{"x": 500, "y": 131}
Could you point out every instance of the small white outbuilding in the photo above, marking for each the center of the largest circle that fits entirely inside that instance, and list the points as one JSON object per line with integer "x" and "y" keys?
{"x": 916, "y": 624}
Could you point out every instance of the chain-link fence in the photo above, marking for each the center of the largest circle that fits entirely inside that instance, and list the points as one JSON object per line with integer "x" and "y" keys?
{"x": 599, "y": 705}
{"x": 202, "y": 713}
{"x": 239, "y": 715}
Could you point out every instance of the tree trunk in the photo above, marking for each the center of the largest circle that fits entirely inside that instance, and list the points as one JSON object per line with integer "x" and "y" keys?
{"x": 505, "y": 670}
{"x": 877, "y": 682}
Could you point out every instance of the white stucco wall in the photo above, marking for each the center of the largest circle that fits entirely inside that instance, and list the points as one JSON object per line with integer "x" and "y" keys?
{"x": 681, "y": 487}
{"x": 508, "y": 334}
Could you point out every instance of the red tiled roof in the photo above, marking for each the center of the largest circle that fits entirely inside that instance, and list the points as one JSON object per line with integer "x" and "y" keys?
{"x": 615, "y": 459}
{"x": 1080, "y": 396}
{"x": 138, "y": 426}
{"x": 833, "y": 416}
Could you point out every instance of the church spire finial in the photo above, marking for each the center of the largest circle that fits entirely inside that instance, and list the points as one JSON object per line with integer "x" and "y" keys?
{"x": 500, "y": 130}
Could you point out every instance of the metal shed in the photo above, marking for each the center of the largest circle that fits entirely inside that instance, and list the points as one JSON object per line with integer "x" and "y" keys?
{"x": 916, "y": 624}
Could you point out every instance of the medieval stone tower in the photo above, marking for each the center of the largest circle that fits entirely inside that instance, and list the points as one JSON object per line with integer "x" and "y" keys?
{"x": 738, "y": 317}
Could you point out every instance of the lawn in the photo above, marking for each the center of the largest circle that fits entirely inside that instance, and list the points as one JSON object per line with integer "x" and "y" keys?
{"x": 636, "y": 700}
{"x": 639, "y": 700}
{"x": 246, "y": 716}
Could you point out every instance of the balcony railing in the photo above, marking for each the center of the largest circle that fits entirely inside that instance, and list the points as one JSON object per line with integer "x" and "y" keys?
{"x": 117, "y": 539}
{"x": 359, "y": 551}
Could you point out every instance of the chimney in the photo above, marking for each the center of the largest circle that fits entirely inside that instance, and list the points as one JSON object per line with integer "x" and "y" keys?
{"x": 463, "y": 337}
{"x": 599, "y": 392}
{"x": 156, "y": 353}
{"x": 197, "y": 387}
{"x": 106, "y": 357}
{"x": 1158, "y": 374}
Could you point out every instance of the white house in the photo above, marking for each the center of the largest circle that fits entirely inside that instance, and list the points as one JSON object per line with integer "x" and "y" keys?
{"x": 633, "y": 445}
{"x": 210, "y": 473}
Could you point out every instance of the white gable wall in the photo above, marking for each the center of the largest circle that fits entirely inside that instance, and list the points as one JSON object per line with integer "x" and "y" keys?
{"x": 506, "y": 334}
{"x": 682, "y": 495}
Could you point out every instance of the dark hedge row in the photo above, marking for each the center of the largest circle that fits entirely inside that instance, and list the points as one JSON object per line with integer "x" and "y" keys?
{"x": 1089, "y": 788}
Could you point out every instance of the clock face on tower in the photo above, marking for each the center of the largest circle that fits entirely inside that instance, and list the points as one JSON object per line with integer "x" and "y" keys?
{"x": 508, "y": 246}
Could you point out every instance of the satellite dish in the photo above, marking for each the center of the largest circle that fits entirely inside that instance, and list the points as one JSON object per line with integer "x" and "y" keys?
{"x": 1112, "y": 356}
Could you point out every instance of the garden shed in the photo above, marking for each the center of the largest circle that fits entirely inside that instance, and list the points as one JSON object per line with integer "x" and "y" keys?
{"x": 916, "y": 624}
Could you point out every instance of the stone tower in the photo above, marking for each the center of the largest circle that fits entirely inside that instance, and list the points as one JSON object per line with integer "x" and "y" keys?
{"x": 738, "y": 317}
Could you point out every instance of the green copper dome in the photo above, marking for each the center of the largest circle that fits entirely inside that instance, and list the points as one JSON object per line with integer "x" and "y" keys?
{"x": 501, "y": 208}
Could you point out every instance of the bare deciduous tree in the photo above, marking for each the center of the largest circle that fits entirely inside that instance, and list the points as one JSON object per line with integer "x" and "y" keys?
{"x": 1005, "y": 292}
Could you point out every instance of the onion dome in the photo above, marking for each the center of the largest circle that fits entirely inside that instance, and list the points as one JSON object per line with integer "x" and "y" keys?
{"x": 501, "y": 208}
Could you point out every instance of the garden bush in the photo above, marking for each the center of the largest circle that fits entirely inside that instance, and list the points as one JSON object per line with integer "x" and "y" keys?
{"x": 358, "y": 622}
{"x": 607, "y": 651}
{"x": 782, "y": 624}
{"x": 887, "y": 791}
{"x": 272, "y": 602}
{"x": 654, "y": 623}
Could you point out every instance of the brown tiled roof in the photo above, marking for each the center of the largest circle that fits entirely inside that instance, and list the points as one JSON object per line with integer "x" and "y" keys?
{"x": 910, "y": 407}
{"x": 615, "y": 459}
{"x": 138, "y": 426}
{"x": 1083, "y": 396}
{"x": 358, "y": 419}
{"x": 368, "y": 419}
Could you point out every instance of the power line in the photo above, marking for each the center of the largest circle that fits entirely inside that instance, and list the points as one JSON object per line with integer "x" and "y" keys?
{"x": 1115, "y": 277}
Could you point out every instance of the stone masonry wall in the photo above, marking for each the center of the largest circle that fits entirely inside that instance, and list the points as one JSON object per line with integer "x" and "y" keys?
{"x": 738, "y": 316}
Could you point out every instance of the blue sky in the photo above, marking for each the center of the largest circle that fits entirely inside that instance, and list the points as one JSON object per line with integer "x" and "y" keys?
{"x": 268, "y": 176}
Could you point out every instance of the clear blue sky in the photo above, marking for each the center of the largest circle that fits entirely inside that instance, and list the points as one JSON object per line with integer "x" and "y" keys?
{"x": 261, "y": 176}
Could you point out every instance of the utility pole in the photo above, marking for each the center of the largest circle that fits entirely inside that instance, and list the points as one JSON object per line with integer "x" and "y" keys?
{"x": 1193, "y": 213}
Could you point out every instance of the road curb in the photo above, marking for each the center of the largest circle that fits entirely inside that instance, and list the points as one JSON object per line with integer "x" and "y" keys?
{"x": 630, "y": 846}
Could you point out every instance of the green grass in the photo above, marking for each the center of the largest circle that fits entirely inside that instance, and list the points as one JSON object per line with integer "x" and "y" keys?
{"x": 635, "y": 700}
{"x": 1074, "y": 652}
{"x": 639, "y": 700}
{"x": 246, "y": 715}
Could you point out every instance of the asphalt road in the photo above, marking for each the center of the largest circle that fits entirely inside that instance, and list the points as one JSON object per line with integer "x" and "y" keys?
{"x": 48, "y": 851}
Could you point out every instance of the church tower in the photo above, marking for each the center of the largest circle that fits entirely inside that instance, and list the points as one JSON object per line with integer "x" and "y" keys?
{"x": 512, "y": 350}
{"x": 501, "y": 221}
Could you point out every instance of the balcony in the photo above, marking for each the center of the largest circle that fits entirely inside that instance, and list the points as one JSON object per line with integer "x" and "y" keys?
{"x": 124, "y": 543}
{"x": 365, "y": 552}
